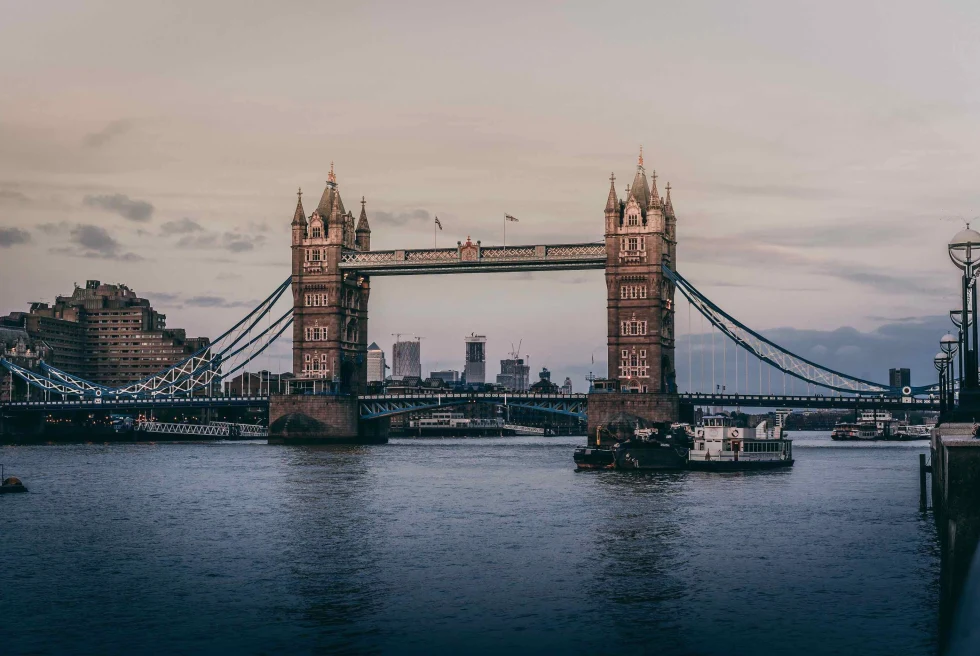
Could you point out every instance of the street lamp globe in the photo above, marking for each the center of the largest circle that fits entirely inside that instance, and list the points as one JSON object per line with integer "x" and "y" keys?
{"x": 948, "y": 344}
{"x": 964, "y": 248}
{"x": 940, "y": 362}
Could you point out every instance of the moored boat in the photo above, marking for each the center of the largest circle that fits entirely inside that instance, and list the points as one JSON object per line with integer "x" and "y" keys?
{"x": 11, "y": 484}
{"x": 719, "y": 445}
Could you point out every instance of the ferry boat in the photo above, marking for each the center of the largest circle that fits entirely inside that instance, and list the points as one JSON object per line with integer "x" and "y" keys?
{"x": 853, "y": 431}
{"x": 456, "y": 424}
{"x": 720, "y": 445}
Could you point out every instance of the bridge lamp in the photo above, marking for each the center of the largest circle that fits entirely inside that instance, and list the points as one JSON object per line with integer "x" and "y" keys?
{"x": 948, "y": 344}
{"x": 964, "y": 252}
{"x": 940, "y": 363}
{"x": 964, "y": 249}
{"x": 956, "y": 316}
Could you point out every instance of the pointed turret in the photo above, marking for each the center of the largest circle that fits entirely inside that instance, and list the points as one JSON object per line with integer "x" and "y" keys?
{"x": 654, "y": 194}
{"x": 299, "y": 216}
{"x": 362, "y": 221}
{"x": 668, "y": 206}
{"x": 639, "y": 188}
{"x": 612, "y": 203}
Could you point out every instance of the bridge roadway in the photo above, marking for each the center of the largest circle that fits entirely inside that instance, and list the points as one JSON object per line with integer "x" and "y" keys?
{"x": 373, "y": 406}
{"x": 109, "y": 404}
{"x": 811, "y": 402}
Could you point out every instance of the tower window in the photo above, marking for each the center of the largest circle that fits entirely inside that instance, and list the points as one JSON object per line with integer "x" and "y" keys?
{"x": 317, "y": 232}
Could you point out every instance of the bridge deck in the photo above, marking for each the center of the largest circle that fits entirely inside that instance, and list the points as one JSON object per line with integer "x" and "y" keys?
{"x": 474, "y": 258}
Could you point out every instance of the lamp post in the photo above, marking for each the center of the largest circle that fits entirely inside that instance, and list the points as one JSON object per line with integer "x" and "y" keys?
{"x": 948, "y": 345}
{"x": 940, "y": 363}
{"x": 956, "y": 316}
{"x": 964, "y": 252}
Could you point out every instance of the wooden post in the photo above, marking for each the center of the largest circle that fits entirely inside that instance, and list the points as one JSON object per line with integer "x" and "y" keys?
{"x": 922, "y": 482}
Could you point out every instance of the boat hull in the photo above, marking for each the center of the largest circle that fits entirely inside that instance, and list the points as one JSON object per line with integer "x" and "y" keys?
{"x": 650, "y": 457}
{"x": 737, "y": 465}
{"x": 587, "y": 459}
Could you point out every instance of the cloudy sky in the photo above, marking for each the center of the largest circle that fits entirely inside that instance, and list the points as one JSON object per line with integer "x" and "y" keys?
{"x": 821, "y": 155}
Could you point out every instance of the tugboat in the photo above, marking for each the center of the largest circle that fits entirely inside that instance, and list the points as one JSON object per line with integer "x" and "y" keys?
{"x": 719, "y": 445}
{"x": 658, "y": 447}
{"x": 10, "y": 485}
{"x": 597, "y": 457}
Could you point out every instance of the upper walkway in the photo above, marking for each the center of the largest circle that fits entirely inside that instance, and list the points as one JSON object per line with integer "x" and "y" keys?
{"x": 475, "y": 258}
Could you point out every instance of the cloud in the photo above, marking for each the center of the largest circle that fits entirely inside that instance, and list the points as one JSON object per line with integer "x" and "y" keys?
{"x": 95, "y": 242}
{"x": 218, "y": 302}
{"x": 166, "y": 297}
{"x": 124, "y": 206}
{"x": 13, "y": 236}
{"x": 235, "y": 242}
{"x": 54, "y": 228}
{"x": 11, "y": 196}
{"x": 401, "y": 218}
{"x": 181, "y": 227}
{"x": 112, "y": 130}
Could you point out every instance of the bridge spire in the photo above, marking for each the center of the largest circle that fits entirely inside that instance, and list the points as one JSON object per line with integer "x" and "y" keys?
{"x": 612, "y": 203}
{"x": 299, "y": 216}
{"x": 654, "y": 193}
{"x": 668, "y": 206}
{"x": 640, "y": 162}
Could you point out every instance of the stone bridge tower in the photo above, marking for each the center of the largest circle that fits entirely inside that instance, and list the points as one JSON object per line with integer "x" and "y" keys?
{"x": 641, "y": 234}
{"x": 330, "y": 317}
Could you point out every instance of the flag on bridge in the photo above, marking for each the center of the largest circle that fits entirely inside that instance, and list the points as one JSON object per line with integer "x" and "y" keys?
{"x": 509, "y": 217}
{"x": 439, "y": 223}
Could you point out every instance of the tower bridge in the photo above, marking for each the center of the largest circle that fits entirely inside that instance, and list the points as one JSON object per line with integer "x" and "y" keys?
{"x": 330, "y": 283}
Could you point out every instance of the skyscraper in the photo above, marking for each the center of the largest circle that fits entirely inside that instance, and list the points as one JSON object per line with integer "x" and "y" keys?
{"x": 476, "y": 359}
{"x": 567, "y": 387}
{"x": 407, "y": 358}
{"x": 514, "y": 374}
{"x": 376, "y": 364}
{"x": 899, "y": 377}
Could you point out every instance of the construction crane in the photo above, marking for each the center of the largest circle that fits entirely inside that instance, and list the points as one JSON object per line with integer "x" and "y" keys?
{"x": 515, "y": 353}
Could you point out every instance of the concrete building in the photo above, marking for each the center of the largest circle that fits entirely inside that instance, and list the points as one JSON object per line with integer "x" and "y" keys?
{"x": 567, "y": 387}
{"x": 376, "y": 365}
{"x": 17, "y": 347}
{"x": 514, "y": 374}
{"x": 448, "y": 376}
{"x": 544, "y": 384}
{"x": 899, "y": 377}
{"x": 106, "y": 334}
{"x": 476, "y": 359}
{"x": 407, "y": 359}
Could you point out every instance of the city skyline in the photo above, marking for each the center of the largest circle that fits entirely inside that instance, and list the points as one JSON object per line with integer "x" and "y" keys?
{"x": 122, "y": 172}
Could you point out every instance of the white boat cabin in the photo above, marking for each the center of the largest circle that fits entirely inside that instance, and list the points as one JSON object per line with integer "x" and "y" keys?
{"x": 719, "y": 439}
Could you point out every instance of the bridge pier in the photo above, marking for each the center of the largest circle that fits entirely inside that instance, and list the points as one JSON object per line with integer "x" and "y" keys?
{"x": 619, "y": 412}
{"x": 322, "y": 419}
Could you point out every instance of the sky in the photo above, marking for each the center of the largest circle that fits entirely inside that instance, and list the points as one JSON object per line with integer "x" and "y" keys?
{"x": 820, "y": 155}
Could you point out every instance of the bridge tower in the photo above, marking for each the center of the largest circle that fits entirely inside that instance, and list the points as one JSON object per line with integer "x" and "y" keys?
{"x": 641, "y": 234}
{"x": 330, "y": 316}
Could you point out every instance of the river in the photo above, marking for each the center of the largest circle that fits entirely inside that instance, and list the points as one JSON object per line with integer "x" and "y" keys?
{"x": 482, "y": 545}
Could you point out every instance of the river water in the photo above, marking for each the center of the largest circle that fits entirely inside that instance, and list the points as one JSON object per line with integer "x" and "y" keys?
{"x": 461, "y": 545}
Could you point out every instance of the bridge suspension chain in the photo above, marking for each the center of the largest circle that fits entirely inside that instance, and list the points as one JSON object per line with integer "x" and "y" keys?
{"x": 775, "y": 355}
